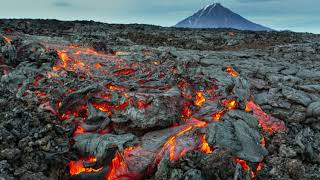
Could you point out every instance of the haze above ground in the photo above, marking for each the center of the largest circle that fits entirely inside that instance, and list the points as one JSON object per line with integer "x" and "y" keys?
{"x": 295, "y": 15}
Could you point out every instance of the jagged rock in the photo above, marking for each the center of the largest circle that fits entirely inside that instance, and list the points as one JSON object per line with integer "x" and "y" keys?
{"x": 9, "y": 54}
{"x": 287, "y": 151}
{"x": 296, "y": 96}
{"x": 306, "y": 74}
{"x": 241, "y": 90}
{"x": 218, "y": 165}
{"x": 193, "y": 174}
{"x": 10, "y": 154}
{"x": 162, "y": 111}
{"x": 77, "y": 98}
{"x": 97, "y": 120}
{"x": 238, "y": 137}
{"x": 311, "y": 88}
{"x": 313, "y": 109}
{"x": 103, "y": 147}
{"x": 295, "y": 168}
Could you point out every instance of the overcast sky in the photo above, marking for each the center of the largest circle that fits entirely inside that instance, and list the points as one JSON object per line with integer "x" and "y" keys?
{"x": 296, "y": 15}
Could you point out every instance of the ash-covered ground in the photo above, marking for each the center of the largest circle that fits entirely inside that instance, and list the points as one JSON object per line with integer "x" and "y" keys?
{"x": 87, "y": 100}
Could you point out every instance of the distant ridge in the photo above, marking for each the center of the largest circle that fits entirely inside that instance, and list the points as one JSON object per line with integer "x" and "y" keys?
{"x": 217, "y": 16}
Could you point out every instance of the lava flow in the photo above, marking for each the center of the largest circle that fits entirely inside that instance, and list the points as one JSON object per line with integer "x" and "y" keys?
{"x": 109, "y": 96}
{"x": 267, "y": 122}
{"x": 77, "y": 167}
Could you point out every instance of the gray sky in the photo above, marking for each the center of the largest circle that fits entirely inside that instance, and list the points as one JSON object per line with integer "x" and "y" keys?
{"x": 296, "y": 15}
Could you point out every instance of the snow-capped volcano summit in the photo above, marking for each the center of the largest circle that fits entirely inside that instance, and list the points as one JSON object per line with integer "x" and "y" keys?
{"x": 217, "y": 16}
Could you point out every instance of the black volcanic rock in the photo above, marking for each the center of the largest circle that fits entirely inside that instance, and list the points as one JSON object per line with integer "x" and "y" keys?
{"x": 217, "y": 16}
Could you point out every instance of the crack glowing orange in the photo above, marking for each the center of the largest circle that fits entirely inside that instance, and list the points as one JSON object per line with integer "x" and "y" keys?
{"x": 79, "y": 130}
{"x": 97, "y": 66}
{"x": 200, "y": 99}
{"x": 230, "y": 104}
{"x": 267, "y": 122}
{"x": 171, "y": 144}
{"x": 77, "y": 167}
{"x": 217, "y": 116}
{"x": 103, "y": 106}
{"x": 243, "y": 164}
{"x": 186, "y": 111}
{"x": 204, "y": 146}
{"x": 232, "y": 72}
{"x": 7, "y": 40}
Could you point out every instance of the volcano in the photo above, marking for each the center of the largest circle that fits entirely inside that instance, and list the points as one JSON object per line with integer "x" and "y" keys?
{"x": 218, "y": 16}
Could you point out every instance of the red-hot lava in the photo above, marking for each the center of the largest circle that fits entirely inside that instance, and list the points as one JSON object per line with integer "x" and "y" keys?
{"x": 228, "y": 105}
{"x": 232, "y": 72}
{"x": 7, "y": 40}
{"x": 200, "y": 99}
{"x": 247, "y": 168}
{"x": 204, "y": 146}
{"x": 267, "y": 122}
{"x": 74, "y": 58}
{"x": 77, "y": 167}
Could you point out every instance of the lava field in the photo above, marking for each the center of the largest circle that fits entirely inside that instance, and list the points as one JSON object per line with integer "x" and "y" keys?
{"x": 87, "y": 100}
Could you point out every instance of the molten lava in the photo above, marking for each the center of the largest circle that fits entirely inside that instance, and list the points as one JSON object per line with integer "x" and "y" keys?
{"x": 217, "y": 116}
{"x": 7, "y": 40}
{"x": 186, "y": 137}
{"x": 68, "y": 62}
{"x": 199, "y": 99}
{"x": 79, "y": 130}
{"x": 230, "y": 104}
{"x": 204, "y": 146}
{"x": 103, "y": 106}
{"x": 243, "y": 164}
{"x": 124, "y": 72}
{"x": 97, "y": 66}
{"x": 186, "y": 110}
{"x": 118, "y": 166}
{"x": 171, "y": 144}
{"x": 232, "y": 72}
{"x": 267, "y": 122}
{"x": 77, "y": 167}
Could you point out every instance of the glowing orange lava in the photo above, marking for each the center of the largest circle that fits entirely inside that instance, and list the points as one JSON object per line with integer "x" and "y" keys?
{"x": 77, "y": 167}
{"x": 231, "y": 104}
{"x": 186, "y": 111}
{"x": 246, "y": 167}
{"x": 71, "y": 59}
{"x": 267, "y": 122}
{"x": 79, "y": 130}
{"x": 171, "y": 143}
{"x": 103, "y": 106}
{"x": 243, "y": 164}
{"x": 97, "y": 66}
{"x": 68, "y": 63}
{"x": 232, "y": 72}
{"x": 7, "y": 40}
{"x": 199, "y": 99}
{"x": 118, "y": 167}
{"x": 204, "y": 146}
{"x": 120, "y": 53}
{"x": 142, "y": 104}
{"x": 124, "y": 72}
